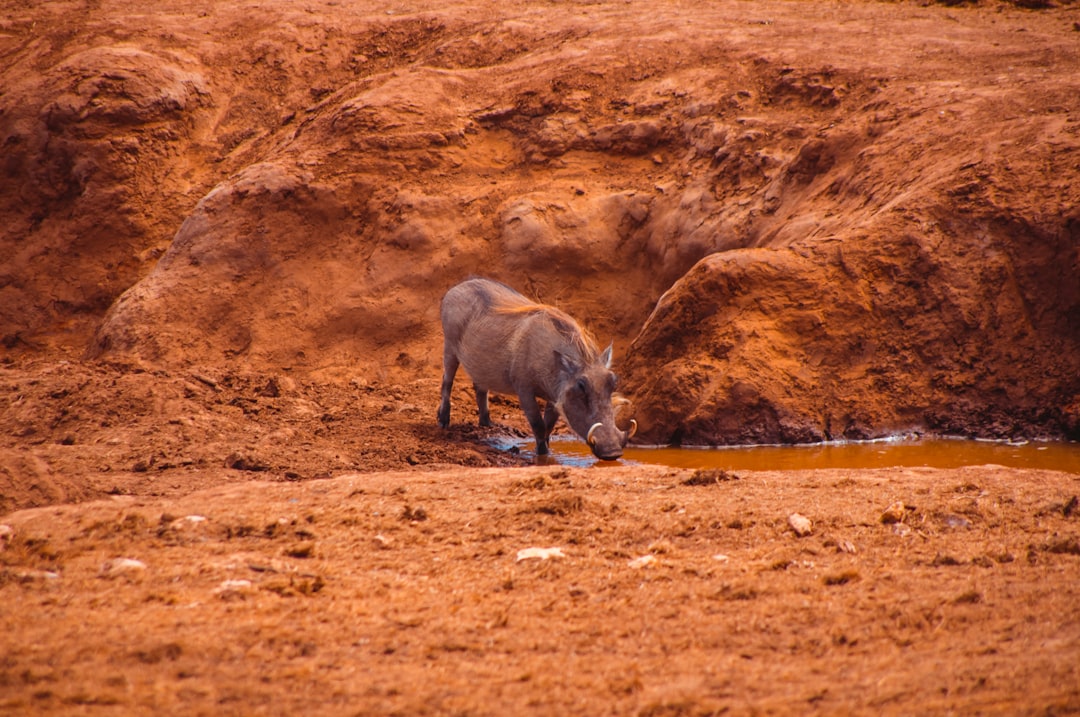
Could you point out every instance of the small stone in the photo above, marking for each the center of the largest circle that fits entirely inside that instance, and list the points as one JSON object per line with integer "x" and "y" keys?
{"x": 121, "y": 566}
{"x": 233, "y": 589}
{"x": 301, "y": 550}
{"x": 956, "y": 521}
{"x": 843, "y": 578}
{"x": 240, "y": 462}
{"x": 643, "y": 562}
{"x": 205, "y": 379}
{"x": 188, "y": 522}
{"x": 800, "y": 524}
{"x": 894, "y": 513}
{"x": 27, "y": 576}
{"x": 661, "y": 547}
{"x": 414, "y": 515}
{"x": 539, "y": 554}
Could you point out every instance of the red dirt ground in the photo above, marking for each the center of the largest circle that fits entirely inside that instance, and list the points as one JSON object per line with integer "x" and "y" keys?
{"x": 226, "y": 227}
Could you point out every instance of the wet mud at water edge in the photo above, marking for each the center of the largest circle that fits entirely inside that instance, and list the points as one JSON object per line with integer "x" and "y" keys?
{"x": 892, "y": 453}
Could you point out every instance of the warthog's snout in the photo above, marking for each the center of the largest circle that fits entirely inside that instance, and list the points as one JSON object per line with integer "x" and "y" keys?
{"x": 609, "y": 450}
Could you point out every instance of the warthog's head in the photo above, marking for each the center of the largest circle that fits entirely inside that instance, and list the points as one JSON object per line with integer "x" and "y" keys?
{"x": 586, "y": 404}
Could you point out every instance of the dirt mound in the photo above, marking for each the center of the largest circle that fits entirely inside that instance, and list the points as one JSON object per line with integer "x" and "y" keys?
{"x": 913, "y": 266}
{"x": 87, "y": 141}
{"x": 839, "y": 340}
{"x": 922, "y": 212}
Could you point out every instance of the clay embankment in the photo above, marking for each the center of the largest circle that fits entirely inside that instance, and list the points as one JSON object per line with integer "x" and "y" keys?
{"x": 896, "y": 214}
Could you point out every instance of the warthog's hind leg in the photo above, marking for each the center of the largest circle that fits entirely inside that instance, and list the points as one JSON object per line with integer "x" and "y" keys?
{"x": 482, "y": 406}
{"x": 450, "y": 367}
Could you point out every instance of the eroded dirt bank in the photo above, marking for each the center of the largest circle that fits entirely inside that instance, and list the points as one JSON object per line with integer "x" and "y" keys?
{"x": 893, "y": 190}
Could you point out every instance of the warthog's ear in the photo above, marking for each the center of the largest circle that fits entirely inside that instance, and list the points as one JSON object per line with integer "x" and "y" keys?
{"x": 605, "y": 358}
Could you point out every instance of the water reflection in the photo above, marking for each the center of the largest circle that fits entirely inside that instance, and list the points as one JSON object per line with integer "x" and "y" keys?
{"x": 922, "y": 452}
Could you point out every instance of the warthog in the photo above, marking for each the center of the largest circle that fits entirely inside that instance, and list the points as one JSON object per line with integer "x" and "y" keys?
{"x": 511, "y": 345}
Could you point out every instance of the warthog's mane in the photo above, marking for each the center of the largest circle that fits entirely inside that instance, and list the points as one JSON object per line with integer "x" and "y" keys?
{"x": 561, "y": 321}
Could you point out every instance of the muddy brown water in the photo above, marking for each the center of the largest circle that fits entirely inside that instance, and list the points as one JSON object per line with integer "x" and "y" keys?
{"x": 906, "y": 452}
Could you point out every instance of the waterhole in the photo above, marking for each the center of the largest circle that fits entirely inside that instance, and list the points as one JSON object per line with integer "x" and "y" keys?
{"x": 898, "y": 452}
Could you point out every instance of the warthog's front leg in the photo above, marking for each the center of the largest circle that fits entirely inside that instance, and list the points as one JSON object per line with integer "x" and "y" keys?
{"x": 536, "y": 421}
{"x": 551, "y": 417}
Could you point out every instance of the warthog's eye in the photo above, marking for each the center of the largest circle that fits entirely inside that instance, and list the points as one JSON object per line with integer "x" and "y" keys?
{"x": 583, "y": 386}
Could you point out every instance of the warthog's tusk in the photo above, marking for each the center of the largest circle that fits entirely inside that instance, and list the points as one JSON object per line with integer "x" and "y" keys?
{"x": 589, "y": 437}
{"x": 632, "y": 430}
